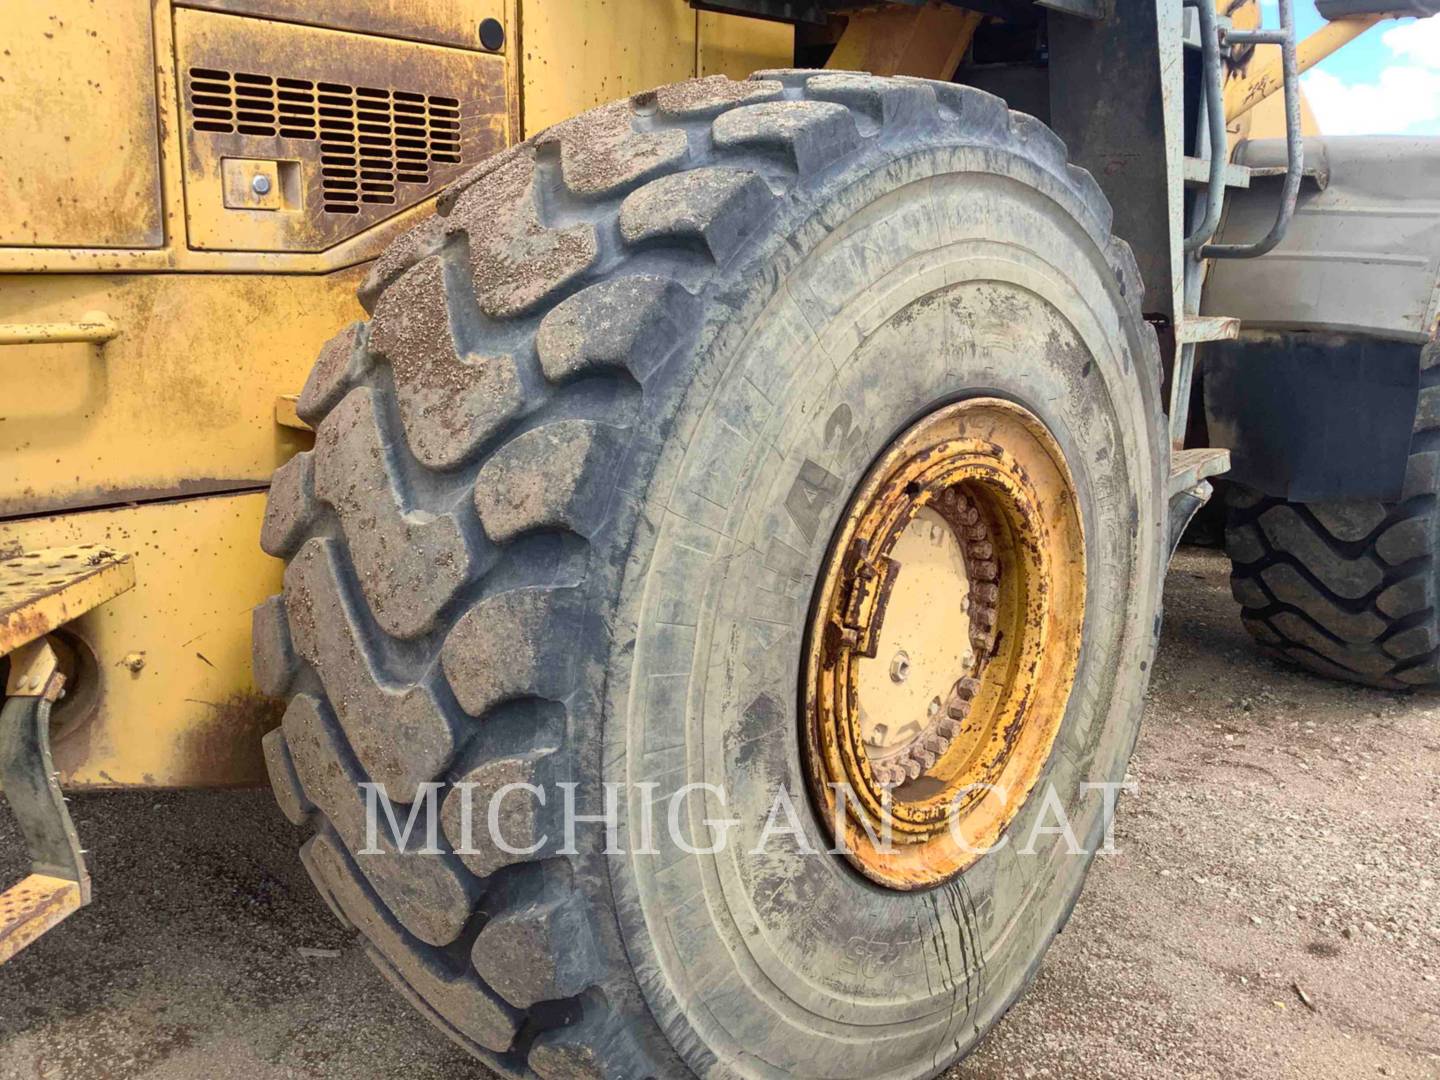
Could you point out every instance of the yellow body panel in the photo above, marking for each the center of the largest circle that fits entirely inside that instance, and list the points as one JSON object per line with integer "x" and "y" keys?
{"x": 733, "y": 46}
{"x": 1267, "y": 120}
{"x": 581, "y": 53}
{"x": 84, "y": 260}
{"x": 182, "y": 399}
{"x": 79, "y": 155}
{"x": 175, "y": 705}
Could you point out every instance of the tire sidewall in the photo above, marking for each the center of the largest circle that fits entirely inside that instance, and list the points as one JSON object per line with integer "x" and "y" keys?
{"x": 821, "y": 347}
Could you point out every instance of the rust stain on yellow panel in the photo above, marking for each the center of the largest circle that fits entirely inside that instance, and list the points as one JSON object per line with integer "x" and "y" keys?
{"x": 580, "y": 53}
{"x": 79, "y": 154}
{"x": 175, "y": 705}
{"x": 736, "y": 46}
{"x": 182, "y": 400}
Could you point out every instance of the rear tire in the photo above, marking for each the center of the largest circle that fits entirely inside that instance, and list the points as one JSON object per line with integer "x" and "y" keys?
{"x": 571, "y": 491}
{"x": 1350, "y": 590}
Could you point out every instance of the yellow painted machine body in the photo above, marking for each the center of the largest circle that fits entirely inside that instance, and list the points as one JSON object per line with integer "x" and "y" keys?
{"x": 193, "y": 192}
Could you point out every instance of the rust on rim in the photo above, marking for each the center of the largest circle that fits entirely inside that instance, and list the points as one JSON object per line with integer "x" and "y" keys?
{"x": 943, "y": 642}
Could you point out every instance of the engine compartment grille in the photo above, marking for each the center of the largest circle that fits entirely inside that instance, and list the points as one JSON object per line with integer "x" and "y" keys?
{"x": 371, "y": 138}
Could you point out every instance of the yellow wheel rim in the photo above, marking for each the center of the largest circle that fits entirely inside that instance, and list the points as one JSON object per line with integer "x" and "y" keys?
{"x": 944, "y": 641}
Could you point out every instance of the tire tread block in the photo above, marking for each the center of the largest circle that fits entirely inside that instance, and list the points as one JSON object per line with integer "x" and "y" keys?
{"x": 1350, "y": 521}
{"x": 283, "y": 780}
{"x": 1288, "y": 586}
{"x": 516, "y": 261}
{"x": 409, "y": 563}
{"x": 810, "y": 134}
{"x": 428, "y": 893}
{"x": 715, "y": 207}
{"x": 628, "y": 323}
{"x": 602, "y": 152}
{"x": 522, "y": 823}
{"x": 710, "y": 95}
{"x": 1346, "y": 577}
{"x": 290, "y": 506}
{"x": 550, "y": 477}
{"x": 524, "y": 642}
{"x": 399, "y": 735}
{"x": 539, "y": 944}
{"x": 461, "y": 999}
{"x": 333, "y": 375}
{"x": 272, "y": 655}
{"x": 409, "y": 248}
{"x": 449, "y": 404}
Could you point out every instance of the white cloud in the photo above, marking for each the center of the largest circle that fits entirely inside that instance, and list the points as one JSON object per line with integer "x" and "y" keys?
{"x": 1418, "y": 41}
{"x": 1403, "y": 99}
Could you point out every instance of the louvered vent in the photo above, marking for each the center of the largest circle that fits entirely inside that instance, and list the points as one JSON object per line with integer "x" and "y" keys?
{"x": 370, "y": 139}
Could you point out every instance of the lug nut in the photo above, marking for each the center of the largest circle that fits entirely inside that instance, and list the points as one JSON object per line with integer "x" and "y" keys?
{"x": 900, "y": 667}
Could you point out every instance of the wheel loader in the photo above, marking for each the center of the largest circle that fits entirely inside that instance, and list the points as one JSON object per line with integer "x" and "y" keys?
{"x": 510, "y": 417}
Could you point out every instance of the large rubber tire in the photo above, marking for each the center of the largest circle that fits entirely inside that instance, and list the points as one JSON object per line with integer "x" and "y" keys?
{"x": 1349, "y": 589}
{"x": 571, "y": 489}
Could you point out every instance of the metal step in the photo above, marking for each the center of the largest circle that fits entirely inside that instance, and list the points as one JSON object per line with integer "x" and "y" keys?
{"x": 40, "y": 591}
{"x": 1197, "y": 328}
{"x": 1197, "y": 173}
{"x": 1189, "y": 467}
{"x": 1084, "y": 9}
{"x": 285, "y": 414}
{"x": 43, "y": 589}
{"x": 33, "y": 906}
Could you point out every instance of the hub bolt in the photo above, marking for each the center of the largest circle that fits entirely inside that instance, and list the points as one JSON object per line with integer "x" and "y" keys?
{"x": 900, "y": 667}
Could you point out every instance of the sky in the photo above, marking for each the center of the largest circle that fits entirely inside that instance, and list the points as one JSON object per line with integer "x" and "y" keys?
{"x": 1386, "y": 82}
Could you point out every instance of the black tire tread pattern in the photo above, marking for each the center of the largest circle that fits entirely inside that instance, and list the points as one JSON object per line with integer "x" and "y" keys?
{"x": 1350, "y": 590}
{"x": 433, "y": 627}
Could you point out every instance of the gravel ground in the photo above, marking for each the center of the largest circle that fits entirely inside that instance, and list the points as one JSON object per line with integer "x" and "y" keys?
{"x": 1273, "y": 911}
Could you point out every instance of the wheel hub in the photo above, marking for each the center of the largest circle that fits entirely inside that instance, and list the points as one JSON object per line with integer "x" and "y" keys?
{"x": 937, "y": 648}
{"x": 943, "y": 641}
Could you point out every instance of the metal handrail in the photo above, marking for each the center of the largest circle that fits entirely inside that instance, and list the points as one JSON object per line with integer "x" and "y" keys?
{"x": 94, "y": 327}
{"x": 1215, "y": 115}
{"x": 1294, "y": 140}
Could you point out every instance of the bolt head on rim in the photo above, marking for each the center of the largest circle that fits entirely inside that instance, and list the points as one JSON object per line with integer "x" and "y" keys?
{"x": 943, "y": 641}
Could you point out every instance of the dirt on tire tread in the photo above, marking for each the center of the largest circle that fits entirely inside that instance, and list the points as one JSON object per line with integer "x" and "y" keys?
{"x": 560, "y": 281}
